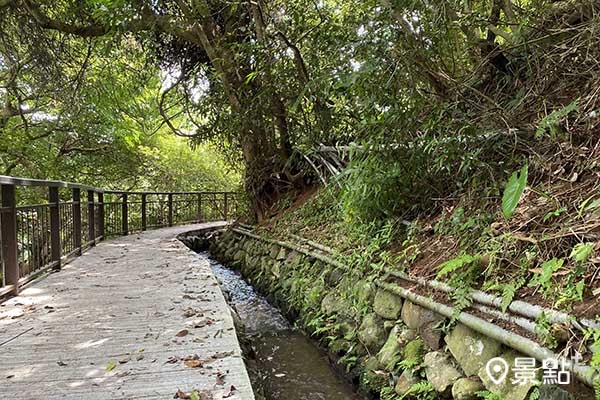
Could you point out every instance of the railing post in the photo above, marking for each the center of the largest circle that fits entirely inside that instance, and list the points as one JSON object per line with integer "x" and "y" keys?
{"x": 91, "y": 218}
{"x": 54, "y": 200}
{"x": 101, "y": 215}
{"x": 225, "y": 206}
{"x": 144, "y": 212}
{"x": 125, "y": 215}
{"x": 8, "y": 227}
{"x": 200, "y": 207}
{"x": 170, "y": 205}
{"x": 77, "y": 219}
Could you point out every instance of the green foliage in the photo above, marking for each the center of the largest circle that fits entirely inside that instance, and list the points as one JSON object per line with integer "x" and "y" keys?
{"x": 349, "y": 361}
{"x": 92, "y": 124}
{"x": 513, "y": 191}
{"x": 487, "y": 395}
{"x": 388, "y": 393}
{"x": 581, "y": 252}
{"x": 554, "y": 214}
{"x": 421, "y": 390}
{"x": 589, "y": 205}
{"x": 571, "y": 292}
{"x": 535, "y": 394}
{"x": 551, "y": 122}
{"x": 400, "y": 180}
{"x": 543, "y": 330}
{"x": 455, "y": 264}
{"x": 593, "y": 335}
{"x": 509, "y": 290}
{"x": 543, "y": 278}
{"x": 412, "y": 354}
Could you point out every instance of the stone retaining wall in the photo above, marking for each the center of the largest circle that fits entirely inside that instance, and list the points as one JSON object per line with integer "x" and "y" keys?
{"x": 390, "y": 347}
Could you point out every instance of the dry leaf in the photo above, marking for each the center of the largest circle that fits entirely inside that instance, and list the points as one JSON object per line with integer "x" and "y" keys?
{"x": 221, "y": 354}
{"x": 522, "y": 237}
{"x": 182, "y": 333}
{"x": 200, "y": 323}
{"x": 193, "y": 363}
{"x": 180, "y": 394}
{"x": 229, "y": 392}
{"x": 221, "y": 378}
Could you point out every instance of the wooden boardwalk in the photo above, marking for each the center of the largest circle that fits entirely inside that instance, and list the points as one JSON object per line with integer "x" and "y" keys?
{"x": 139, "y": 317}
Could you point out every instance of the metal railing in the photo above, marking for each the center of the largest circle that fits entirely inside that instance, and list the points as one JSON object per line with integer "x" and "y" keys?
{"x": 37, "y": 238}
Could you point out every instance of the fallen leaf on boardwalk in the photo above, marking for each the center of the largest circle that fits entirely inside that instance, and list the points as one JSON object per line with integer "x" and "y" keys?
{"x": 111, "y": 365}
{"x": 229, "y": 392}
{"x": 200, "y": 323}
{"x": 205, "y": 395}
{"x": 193, "y": 363}
{"x": 61, "y": 363}
{"x": 220, "y": 378}
{"x": 180, "y": 394}
{"x": 190, "y": 312}
{"x": 182, "y": 333}
{"x": 222, "y": 354}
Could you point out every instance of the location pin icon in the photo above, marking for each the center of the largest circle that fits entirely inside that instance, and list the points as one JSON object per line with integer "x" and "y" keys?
{"x": 497, "y": 369}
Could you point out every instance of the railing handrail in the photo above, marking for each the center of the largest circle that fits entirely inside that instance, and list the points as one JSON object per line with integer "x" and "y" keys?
{"x": 163, "y": 193}
{"x": 64, "y": 228}
{"x": 18, "y": 181}
{"x": 11, "y": 180}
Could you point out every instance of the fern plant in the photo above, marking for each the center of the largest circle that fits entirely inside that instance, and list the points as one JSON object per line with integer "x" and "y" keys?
{"x": 421, "y": 390}
{"x": 456, "y": 264}
{"x": 543, "y": 279}
{"x": 552, "y": 121}
{"x": 487, "y": 395}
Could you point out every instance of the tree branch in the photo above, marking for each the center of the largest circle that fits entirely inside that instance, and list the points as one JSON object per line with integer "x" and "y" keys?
{"x": 45, "y": 22}
{"x": 149, "y": 21}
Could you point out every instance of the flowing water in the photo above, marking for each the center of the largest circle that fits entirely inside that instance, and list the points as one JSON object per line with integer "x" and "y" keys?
{"x": 290, "y": 366}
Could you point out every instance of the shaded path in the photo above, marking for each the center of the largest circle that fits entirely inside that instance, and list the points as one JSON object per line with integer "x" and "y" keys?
{"x": 106, "y": 327}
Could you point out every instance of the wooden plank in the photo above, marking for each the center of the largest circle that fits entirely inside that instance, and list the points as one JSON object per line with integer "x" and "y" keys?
{"x": 122, "y": 303}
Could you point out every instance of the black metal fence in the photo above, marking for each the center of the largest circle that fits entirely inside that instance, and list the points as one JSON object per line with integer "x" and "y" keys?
{"x": 37, "y": 238}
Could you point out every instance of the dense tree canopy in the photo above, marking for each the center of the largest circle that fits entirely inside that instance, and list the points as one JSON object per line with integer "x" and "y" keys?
{"x": 273, "y": 80}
